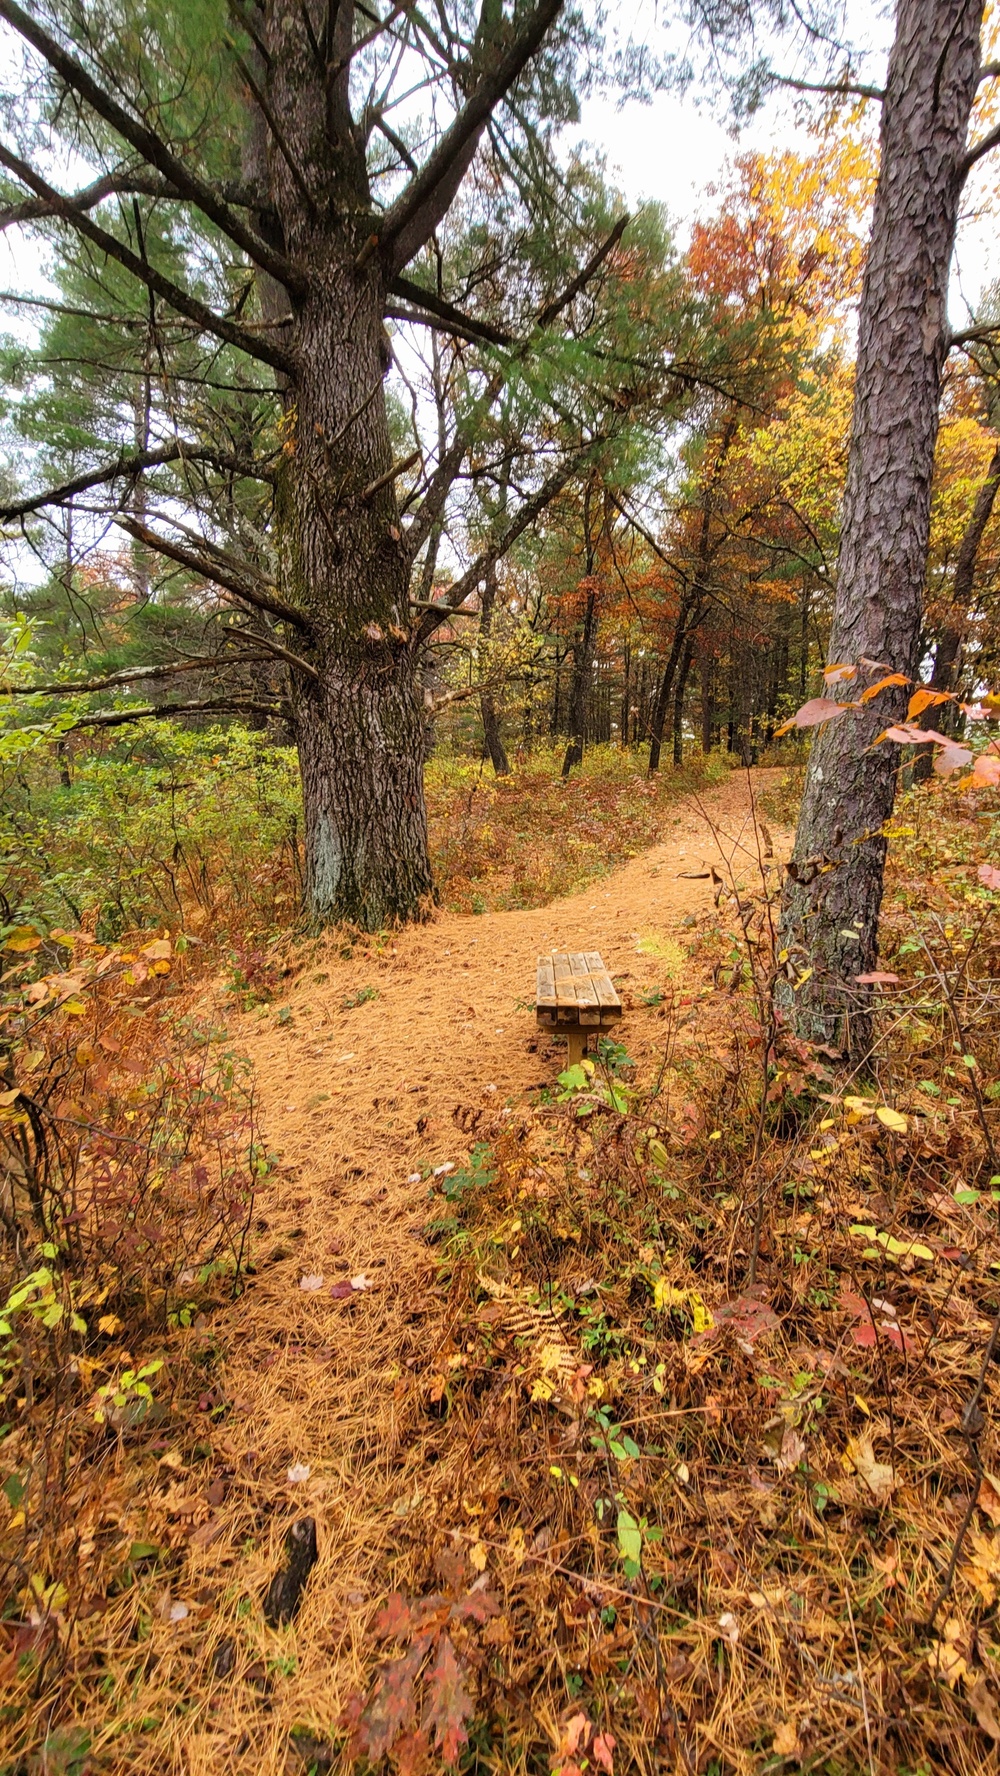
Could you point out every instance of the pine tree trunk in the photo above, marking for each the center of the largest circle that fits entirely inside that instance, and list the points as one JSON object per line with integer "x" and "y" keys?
{"x": 343, "y": 562}
{"x": 679, "y": 690}
{"x": 834, "y": 892}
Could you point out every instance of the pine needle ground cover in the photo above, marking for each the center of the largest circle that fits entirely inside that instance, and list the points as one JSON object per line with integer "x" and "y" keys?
{"x": 652, "y": 1431}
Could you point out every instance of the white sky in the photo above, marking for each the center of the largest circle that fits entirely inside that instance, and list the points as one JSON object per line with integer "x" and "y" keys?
{"x": 673, "y": 148}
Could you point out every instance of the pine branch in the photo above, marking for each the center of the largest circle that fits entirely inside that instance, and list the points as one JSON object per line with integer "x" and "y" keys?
{"x": 444, "y": 475}
{"x": 259, "y": 595}
{"x": 835, "y": 88}
{"x": 116, "y": 718}
{"x": 179, "y": 299}
{"x": 129, "y": 465}
{"x": 153, "y": 150}
{"x": 416, "y": 213}
{"x": 968, "y": 335}
{"x": 465, "y": 326}
{"x": 132, "y": 675}
{"x": 978, "y": 149}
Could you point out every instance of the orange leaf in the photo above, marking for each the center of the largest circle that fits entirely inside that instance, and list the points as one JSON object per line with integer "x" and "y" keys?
{"x": 894, "y": 678}
{"x": 839, "y": 674}
{"x": 925, "y": 699}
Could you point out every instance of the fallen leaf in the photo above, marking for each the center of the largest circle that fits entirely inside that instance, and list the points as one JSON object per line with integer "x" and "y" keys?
{"x": 983, "y": 1705}
{"x": 988, "y": 875}
{"x": 299, "y": 1471}
{"x": 988, "y": 1497}
{"x": 785, "y": 1740}
{"x": 730, "y": 1627}
{"x": 311, "y": 1283}
{"x": 390, "y": 1708}
{"x": 602, "y": 1752}
{"x": 448, "y": 1703}
{"x": 478, "y": 1556}
{"x": 361, "y": 1282}
{"x": 877, "y": 1476}
{"x": 791, "y": 1452}
{"x": 891, "y": 1119}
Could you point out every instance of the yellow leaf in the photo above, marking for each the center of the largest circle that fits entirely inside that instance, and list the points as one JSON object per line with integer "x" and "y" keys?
{"x": 86, "y": 1054}
{"x": 542, "y": 1389}
{"x": 109, "y": 1324}
{"x": 667, "y": 1295}
{"x": 478, "y": 1556}
{"x": 23, "y": 940}
{"x": 903, "y": 1248}
{"x": 891, "y": 1119}
{"x": 701, "y": 1318}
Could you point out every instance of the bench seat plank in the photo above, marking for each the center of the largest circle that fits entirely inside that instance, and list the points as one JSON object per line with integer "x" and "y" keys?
{"x": 574, "y": 990}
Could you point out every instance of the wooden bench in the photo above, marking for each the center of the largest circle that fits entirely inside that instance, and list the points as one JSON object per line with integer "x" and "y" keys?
{"x": 574, "y": 997}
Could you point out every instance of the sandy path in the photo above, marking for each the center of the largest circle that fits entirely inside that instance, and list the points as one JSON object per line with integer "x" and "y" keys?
{"x": 368, "y": 1094}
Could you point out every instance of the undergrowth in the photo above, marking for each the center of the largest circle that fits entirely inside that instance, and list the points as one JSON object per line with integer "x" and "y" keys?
{"x": 712, "y": 1408}
{"x": 202, "y": 830}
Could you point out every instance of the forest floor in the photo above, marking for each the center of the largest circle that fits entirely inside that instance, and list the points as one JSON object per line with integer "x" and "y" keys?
{"x": 632, "y": 1412}
{"x": 359, "y": 1098}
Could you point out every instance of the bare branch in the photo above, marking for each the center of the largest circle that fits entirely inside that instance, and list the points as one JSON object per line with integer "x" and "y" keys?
{"x": 978, "y": 149}
{"x": 465, "y": 325}
{"x": 188, "y": 305}
{"x": 189, "y": 184}
{"x": 838, "y": 89}
{"x": 968, "y": 335}
{"x": 260, "y": 596}
{"x": 552, "y": 310}
{"x": 419, "y": 208}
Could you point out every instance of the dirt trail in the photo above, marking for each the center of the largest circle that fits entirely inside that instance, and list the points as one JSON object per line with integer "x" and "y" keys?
{"x": 359, "y": 1101}
{"x": 368, "y": 1093}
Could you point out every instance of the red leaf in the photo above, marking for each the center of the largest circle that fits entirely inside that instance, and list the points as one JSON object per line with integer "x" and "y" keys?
{"x": 602, "y": 1752}
{"x": 448, "y": 1703}
{"x": 866, "y": 1336}
{"x": 342, "y": 1290}
{"x": 391, "y": 1708}
{"x": 748, "y": 1317}
{"x": 988, "y": 875}
{"x": 479, "y": 1606}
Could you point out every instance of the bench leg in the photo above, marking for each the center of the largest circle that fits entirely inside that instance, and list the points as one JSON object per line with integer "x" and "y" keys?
{"x": 576, "y": 1044}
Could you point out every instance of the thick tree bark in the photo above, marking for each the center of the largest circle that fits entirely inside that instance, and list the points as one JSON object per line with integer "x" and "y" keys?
{"x": 359, "y": 726}
{"x": 830, "y": 916}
